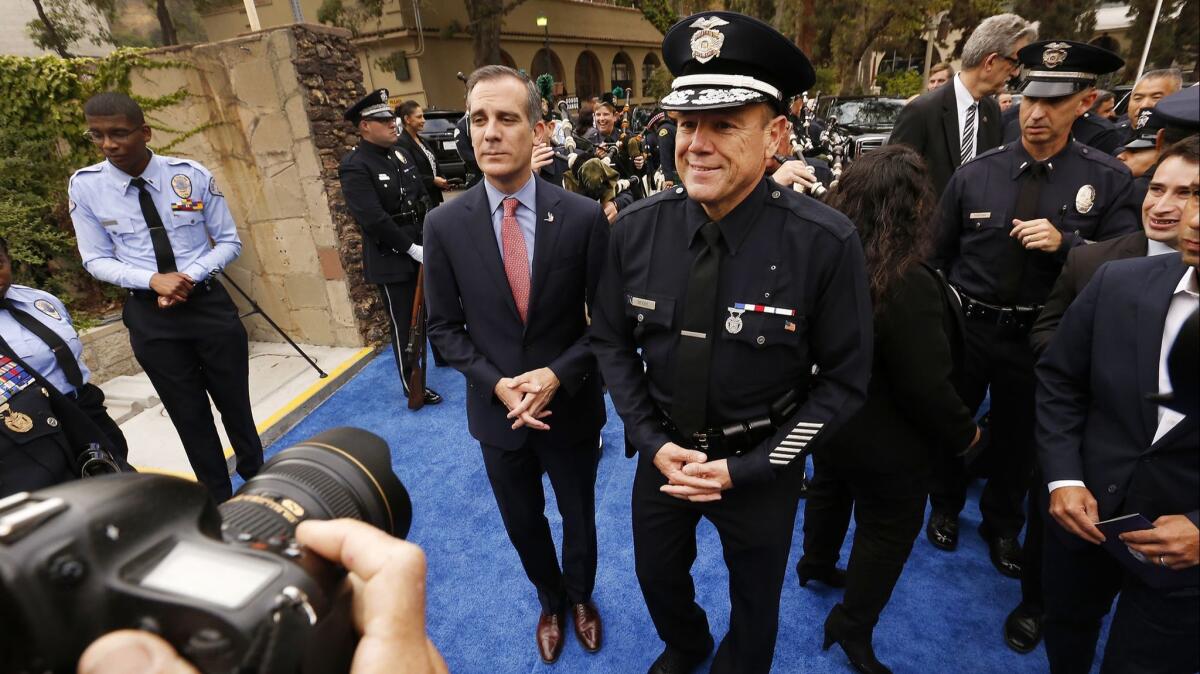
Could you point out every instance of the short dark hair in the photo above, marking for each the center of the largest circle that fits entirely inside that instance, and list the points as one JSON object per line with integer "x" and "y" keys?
{"x": 1187, "y": 149}
{"x": 406, "y": 108}
{"x": 533, "y": 99}
{"x": 114, "y": 104}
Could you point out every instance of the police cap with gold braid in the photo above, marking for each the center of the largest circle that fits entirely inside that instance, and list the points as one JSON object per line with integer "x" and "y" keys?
{"x": 726, "y": 59}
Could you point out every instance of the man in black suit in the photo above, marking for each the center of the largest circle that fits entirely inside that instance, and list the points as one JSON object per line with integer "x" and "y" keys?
{"x": 1174, "y": 184}
{"x": 384, "y": 195}
{"x": 518, "y": 259}
{"x": 1107, "y": 450}
{"x": 954, "y": 123}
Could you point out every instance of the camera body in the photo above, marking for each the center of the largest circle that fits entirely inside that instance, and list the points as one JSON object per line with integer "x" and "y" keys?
{"x": 228, "y": 587}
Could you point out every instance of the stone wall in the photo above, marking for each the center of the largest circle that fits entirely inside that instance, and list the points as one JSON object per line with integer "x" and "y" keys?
{"x": 107, "y": 352}
{"x": 267, "y": 107}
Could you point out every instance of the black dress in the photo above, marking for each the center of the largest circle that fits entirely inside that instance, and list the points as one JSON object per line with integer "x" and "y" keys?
{"x": 881, "y": 461}
{"x": 417, "y": 149}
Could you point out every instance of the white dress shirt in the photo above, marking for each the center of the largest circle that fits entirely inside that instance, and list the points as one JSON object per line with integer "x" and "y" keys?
{"x": 964, "y": 100}
{"x": 1184, "y": 301}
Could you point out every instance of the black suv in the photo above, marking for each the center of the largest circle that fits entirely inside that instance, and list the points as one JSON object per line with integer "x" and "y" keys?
{"x": 438, "y": 134}
{"x": 865, "y": 122}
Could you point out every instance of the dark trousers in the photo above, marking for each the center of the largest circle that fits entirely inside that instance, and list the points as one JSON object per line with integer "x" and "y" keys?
{"x": 1033, "y": 549}
{"x": 516, "y": 477}
{"x": 90, "y": 399}
{"x": 888, "y": 511}
{"x": 190, "y": 352}
{"x": 1151, "y": 631}
{"x": 755, "y": 526}
{"x": 1002, "y": 358}
{"x": 398, "y": 304}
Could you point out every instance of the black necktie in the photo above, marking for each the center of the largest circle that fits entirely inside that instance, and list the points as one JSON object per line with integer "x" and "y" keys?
{"x": 1029, "y": 191}
{"x": 158, "y": 234}
{"x": 62, "y": 352}
{"x": 689, "y": 400}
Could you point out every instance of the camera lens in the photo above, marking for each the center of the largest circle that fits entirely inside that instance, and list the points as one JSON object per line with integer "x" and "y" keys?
{"x": 343, "y": 472}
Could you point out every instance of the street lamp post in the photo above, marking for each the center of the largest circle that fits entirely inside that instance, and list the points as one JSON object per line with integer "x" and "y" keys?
{"x": 544, "y": 24}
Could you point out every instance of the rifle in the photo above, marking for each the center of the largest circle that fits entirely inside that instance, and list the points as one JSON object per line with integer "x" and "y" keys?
{"x": 415, "y": 348}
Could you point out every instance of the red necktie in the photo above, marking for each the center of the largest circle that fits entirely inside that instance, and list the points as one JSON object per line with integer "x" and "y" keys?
{"x": 516, "y": 257}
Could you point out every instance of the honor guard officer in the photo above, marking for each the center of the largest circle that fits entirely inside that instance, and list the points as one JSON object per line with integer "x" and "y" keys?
{"x": 385, "y": 196}
{"x": 1007, "y": 220}
{"x": 35, "y": 324}
{"x": 144, "y": 222}
{"x": 718, "y": 300}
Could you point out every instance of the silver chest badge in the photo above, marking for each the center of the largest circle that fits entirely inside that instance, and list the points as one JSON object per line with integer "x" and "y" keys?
{"x": 1055, "y": 54}
{"x": 400, "y": 156}
{"x": 182, "y": 185}
{"x": 1085, "y": 198}
{"x": 733, "y": 324}
{"x": 706, "y": 42}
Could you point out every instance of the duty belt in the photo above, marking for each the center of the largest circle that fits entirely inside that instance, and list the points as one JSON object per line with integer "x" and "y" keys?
{"x": 734, "y": 438}
{"x": 1019, "y": 316}
{"x": 143, "y": 294}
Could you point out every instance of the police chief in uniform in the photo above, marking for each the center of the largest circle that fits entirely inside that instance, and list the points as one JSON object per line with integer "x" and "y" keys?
{"x": 384, "y": 194}
{"x": 37, "y": 327}
{"x": 718, "y": 299}
{"x": 1008, "y": 219}
{"x": 143, "y": 222}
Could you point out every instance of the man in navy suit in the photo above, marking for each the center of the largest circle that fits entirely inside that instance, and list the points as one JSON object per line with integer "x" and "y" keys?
{"x": 1108, "y": 450}
{"x": 510, "y": 268}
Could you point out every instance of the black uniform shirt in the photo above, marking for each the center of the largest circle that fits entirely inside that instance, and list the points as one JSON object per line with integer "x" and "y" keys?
{"x": 1087, "y": 196}
{"x": 782, "y": 250}
{"x": 666, "y": 151}
{"x": 381, "y": 185}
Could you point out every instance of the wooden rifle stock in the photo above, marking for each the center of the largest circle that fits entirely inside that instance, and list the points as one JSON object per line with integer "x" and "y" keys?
{"x": 415, "y": 348}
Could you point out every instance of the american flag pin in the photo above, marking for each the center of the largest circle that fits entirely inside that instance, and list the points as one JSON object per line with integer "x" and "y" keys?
{"x": 789, "y": 326}
{"x": 549, "y": 217}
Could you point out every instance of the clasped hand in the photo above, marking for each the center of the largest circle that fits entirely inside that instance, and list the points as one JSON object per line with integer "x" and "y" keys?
{"x": 172, "y": 288}
{"x": 526, "y": 397}
{"x": 1037, "y": 234}
{"x": 690, "y": 475}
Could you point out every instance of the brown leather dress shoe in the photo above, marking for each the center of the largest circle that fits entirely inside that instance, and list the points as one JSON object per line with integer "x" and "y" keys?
{"x": 588, "y": 628}
{"x": 550, "y": 637}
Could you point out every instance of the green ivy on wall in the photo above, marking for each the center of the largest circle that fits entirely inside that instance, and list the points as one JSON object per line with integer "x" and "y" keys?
{"x": 42, "y": 143}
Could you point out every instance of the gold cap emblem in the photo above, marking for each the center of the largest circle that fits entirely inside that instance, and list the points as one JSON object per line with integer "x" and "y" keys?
{"x": 1055, "y": 54}
{"x": 706, "y": 42}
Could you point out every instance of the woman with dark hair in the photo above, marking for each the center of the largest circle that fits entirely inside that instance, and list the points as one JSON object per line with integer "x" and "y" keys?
{"x": 412, "y": 119}
{"x": 880, "y": 463}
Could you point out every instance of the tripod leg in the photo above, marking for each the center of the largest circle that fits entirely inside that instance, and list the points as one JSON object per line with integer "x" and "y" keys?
{"x": 255, "y": 309}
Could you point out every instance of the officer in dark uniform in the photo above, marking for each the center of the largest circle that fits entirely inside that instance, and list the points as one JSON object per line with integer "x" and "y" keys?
{"x": 38, "y": 329}
{"x": 1140, "y": 154}
{"x": 1008, "y": 219}
{"x": 666, "y": 152}
{"x": 160, "y": 227}
{"x": 1089, "y": 128}
{"x": 718, "y": 299}
{"x": 466, "y": 151}
{"x": 384, "y": 194}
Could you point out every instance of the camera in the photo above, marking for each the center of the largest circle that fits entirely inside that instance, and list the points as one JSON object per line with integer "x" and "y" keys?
{"x": 227, "y": 586}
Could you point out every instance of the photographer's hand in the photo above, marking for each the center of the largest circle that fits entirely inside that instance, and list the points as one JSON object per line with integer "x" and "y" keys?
{"x": 388, "y": 577}
{"x": 132, "y": 652}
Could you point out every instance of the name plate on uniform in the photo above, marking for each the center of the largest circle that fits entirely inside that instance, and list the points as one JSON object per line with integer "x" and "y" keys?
{"x": 981, "y": 215}
{"x": 641, "y": 303}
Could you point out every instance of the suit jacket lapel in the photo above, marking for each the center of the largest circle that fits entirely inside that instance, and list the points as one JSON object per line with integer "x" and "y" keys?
{"x": 549, "y": 222}
{"x": 950, "y": 124}
{"x": 1151, "y": 314}
{"x": 481, "y": 233}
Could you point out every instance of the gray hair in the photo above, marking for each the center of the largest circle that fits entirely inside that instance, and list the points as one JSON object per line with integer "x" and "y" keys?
{"x": 1172, "y": 74}
{"x": 995, "y": 35}
{"x": 533, "y": 100}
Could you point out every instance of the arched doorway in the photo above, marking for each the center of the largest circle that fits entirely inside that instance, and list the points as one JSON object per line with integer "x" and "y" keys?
{"x": 588, "y": 76}
{"x": 622, "y": 73}
{"x": 506, "y": 59}
{"x": 546, "y": 61}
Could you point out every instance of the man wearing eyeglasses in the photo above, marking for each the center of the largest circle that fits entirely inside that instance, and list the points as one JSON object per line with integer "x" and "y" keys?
{"x": 954, "y": 123}
{"x": 144, "y": 222}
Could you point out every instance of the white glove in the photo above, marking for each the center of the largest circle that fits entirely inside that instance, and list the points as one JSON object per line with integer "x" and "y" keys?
{"x": 417, "y": 253}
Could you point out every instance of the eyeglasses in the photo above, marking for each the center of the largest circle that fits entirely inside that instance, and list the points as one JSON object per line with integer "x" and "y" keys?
{"x": 117, "y": 135}
{"x": 1013, "y": 61}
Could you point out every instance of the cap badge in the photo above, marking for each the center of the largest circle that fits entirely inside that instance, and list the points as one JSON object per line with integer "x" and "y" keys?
{"x": 383, "y": 96}
{"x": 1084, "y": 199}
{"x": 1143, "y": 117}
{"x": 1055, "y": 54}
{"x": 706, "y": 42}
{"x": 182, "y": 185}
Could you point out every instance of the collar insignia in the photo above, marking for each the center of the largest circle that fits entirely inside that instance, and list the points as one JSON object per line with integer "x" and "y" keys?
{"x": 706, "y": 42}
{"x": 1055, "y": 54}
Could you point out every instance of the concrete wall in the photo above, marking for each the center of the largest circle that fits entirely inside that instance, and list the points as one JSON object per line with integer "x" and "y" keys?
{"x": 107, "y": 352}
{"x": 266, "y": 137}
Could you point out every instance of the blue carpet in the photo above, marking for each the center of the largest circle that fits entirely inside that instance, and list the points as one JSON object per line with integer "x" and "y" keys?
{"x": 946, "y": 614}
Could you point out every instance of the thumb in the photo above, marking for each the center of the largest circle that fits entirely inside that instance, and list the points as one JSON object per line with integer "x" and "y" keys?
{"x": 692, "y": 456}
{"x": 132, "y": 652}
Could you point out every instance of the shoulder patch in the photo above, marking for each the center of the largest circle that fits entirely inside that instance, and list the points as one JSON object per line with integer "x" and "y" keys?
{"x": 47, "y": 307}
{"x": 212, "y": 188}
{"x": 663, "y": 131}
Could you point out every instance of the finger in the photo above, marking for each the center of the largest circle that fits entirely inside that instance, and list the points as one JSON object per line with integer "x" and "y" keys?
{"x": 1086, "y": 529}
{"x": 1150, "y": 549}
{"x": 521, "y": 407}
{"x": 358, "y": 546}
{"x": 1141, "y": 537}
{"x": 543, "y": 414}
{"x": 680, "y": 479}
{"x": 528, "y": 387}
{"x": 686, "y": 455}
{"x": 705, "y": 498}
{"x": 132, "y": 652}
{"x": 684, "y": 490}
{"x": 533, "y": 423}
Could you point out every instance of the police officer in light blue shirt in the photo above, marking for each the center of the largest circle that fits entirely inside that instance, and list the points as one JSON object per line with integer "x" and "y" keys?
{"x": 144, "y": 222}
{"x": 38, "y": 330}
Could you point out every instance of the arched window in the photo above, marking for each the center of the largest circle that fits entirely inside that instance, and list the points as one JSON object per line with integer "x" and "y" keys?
{"x": 506, "y": 59}
{"x": 588, "y": 76}
{"x": 622, "y": 73}
{"x": 648, "y": 65}
{"x": 546, "y": 61}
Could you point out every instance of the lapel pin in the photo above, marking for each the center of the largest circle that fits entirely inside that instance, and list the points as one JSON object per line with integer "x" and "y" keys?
{"x": 549, "y": 217}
